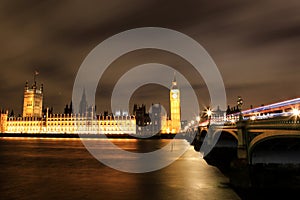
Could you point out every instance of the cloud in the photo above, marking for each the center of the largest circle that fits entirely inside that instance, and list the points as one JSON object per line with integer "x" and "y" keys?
{"x": 255, "y": 44}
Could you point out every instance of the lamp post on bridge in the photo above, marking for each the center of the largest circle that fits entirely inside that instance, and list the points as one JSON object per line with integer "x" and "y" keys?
{"x": 242, "y": 132}
{"x": 209, "y": 114}
{"x": 239, "y": 104}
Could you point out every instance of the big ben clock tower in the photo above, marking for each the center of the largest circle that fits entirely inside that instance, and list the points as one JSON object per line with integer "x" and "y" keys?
{"x": 175, "y": 107}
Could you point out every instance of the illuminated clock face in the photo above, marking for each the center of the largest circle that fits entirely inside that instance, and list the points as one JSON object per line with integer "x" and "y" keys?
{"x": 174, "y": 95}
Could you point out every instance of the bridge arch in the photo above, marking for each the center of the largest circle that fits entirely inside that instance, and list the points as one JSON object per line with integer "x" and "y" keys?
{"x": 275, "y": 148}
{"x": 203, "y": 134}
{"x": 224, "y": 149}
{"x": 225, "y": 133}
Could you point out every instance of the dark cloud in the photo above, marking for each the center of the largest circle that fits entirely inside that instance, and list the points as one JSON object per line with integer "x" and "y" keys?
{"x": 255, "y": 44}
{"x": 138, "y": 57}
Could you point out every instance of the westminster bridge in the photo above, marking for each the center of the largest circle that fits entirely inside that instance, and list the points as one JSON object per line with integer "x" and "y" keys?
{"x": 251, "y": 151}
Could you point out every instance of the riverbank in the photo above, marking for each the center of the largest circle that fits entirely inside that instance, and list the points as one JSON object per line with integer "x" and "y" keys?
{"x": 67, "y": 135}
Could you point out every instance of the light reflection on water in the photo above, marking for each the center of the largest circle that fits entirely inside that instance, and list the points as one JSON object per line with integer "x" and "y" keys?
{"x": 64, "y": 169}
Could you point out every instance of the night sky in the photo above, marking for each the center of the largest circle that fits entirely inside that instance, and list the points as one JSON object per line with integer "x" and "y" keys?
{"x": 255, "y": 45}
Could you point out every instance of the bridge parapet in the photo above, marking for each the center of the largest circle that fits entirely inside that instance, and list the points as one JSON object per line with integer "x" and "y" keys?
{"x": 247, "y": 132}
{"x": 283, "y": 124}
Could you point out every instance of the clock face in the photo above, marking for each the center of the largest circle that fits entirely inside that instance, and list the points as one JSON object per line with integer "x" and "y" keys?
{"x": 174, "y": 95}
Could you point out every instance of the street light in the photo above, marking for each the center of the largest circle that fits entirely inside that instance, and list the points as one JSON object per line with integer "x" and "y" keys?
{"x": 239, "y": 104}
{"x": 209, "y": 114}
{"x": 296, "y": 112}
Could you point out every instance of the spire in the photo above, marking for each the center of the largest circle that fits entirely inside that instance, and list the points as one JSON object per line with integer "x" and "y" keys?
{"x": 36, "y": 72}
{"x": 83, "y": 104}
{"x": 174, "y": 77}
{"x": 174, "y": 82}
{"x": 42, "y": 87}
{"x": 71, "y": 107}
{"x": 26, "y": 85}
{"x": 83, "y": 95}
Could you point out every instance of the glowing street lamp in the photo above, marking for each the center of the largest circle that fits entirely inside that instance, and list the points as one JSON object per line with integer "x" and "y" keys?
{"x": 253, "y": 117}
{"x": 209, "y": 114}
{"x": 296, "y": 112}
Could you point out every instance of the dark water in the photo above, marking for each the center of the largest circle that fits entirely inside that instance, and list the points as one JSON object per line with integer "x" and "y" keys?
{"x": 64, "y": 169}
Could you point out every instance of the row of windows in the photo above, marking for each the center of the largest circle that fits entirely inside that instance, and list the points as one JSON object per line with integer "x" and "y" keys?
{"x": 88, "y": 124}
{"x": 24, "y": 124}
{"x": 31, "y": 104}
{"x": 69, "y": 130}
{"x": 83, "y": 119}
{"x": 69, "y": 124}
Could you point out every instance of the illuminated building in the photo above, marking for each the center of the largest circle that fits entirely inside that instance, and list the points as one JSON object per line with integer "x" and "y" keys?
{"x": 87, "y": 121}
{"x": 175, "y": 107}
{"x": 33, "y": 121}
{"x": 173, "y": 125}
{"x": 157, "y": 121}
{"x": 33, "y": 101}
{"x": 3, "y": 121}
{"x": 75, "y": 124}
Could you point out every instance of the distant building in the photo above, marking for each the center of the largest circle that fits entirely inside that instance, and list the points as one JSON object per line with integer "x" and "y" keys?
{"x": 3, "y": 121}
{"x": 83, "y": 107}
{"x": 141, "y": 116}
{"x": 157, "y": 117}
{"x": 157, "y": 120}
{"x": 173, "y": 124}
{"x": 33, "y": 100}
{"x": 61, "y": 123}
{"x": 215, "y": 114}
{"x": 121, "y": 113}
{"x": 68, "y": 109}
{"x": 175, "y": 109}
{"x": 35, "y": 119}
{"x": 218, "y": 114}
{"x": 148, "y": 123}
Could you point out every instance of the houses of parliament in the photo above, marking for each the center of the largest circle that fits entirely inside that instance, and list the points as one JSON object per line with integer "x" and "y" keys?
{"x": 36, "y": 120}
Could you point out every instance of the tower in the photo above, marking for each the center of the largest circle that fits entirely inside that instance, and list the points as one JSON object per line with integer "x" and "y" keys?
{"x": 3, "y": 121}
{"x": 175, "y": 106}
{"x": 33, "y": 100}
{"x": 156, "y": 114}
{"x": 83, "y": 107}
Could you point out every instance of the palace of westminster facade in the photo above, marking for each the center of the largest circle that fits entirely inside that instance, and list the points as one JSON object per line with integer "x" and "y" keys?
{"x": 34, "y": 120}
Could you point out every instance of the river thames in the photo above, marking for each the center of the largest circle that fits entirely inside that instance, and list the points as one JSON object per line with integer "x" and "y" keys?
{"x": 63, "y": 169}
